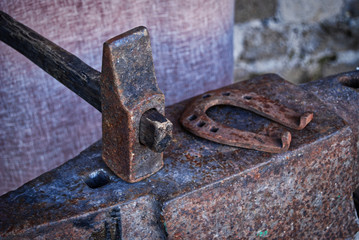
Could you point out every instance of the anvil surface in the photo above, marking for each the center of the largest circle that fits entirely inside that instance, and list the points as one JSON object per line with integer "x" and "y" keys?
{"x": 340, "y": 93}
{"x": 205, "y": 190}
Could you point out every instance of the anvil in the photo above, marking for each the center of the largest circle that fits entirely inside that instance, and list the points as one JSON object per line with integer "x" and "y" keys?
{"x": 208, "y": 190}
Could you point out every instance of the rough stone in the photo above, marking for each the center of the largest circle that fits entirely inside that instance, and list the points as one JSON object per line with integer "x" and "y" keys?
{"x": 263, "y": 43}
{"x": 298, "y": 52}
{"x": 351, "y": 9}
{"x": 344, "y": 62}
{"x": 308, "y": 11}
{"x": 343, "y": 33}
{"x": 254, "y": 9}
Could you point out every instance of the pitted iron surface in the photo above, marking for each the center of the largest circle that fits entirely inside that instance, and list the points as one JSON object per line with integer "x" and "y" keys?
{"x": 195, "y": 120}
{"x": 205, "y": 189}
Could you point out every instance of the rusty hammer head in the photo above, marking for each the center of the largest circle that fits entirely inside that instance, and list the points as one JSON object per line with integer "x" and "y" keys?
{"x": 134, "y": 130}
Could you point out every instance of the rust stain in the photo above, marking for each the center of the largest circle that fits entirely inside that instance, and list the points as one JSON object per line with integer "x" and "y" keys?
{"x": 195, "y": 119}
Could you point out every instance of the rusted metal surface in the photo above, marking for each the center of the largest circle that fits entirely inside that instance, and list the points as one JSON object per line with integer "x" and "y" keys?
{"x": 128, "y": 89}
{"x": 340, "y": 93}
{"x": 155, "y": 130}
{"x": 205, "y": 190}
{"x": 197, "y": 121}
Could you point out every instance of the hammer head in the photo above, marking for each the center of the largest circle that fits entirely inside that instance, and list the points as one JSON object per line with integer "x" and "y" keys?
{"x": 128, "y": 90}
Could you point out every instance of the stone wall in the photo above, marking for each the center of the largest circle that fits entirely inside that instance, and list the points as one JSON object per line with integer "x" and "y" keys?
{"x": 300, "y": 40}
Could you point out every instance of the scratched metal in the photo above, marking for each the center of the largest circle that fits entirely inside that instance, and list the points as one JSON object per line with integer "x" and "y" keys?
{"x": 205, "y": 190}
{"x": 340, "y": 93}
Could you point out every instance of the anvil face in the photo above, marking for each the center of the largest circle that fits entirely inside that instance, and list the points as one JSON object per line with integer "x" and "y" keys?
{"x": 205, "y": 190}
{"x": 340, "y": 93}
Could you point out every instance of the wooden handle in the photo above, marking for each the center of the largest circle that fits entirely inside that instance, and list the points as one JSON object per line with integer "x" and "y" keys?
{"x": 62, "y": 65}
{"x": 156, "y": 130}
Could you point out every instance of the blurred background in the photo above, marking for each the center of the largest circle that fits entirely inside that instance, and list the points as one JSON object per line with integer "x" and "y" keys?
{"x": 301, "y": 40}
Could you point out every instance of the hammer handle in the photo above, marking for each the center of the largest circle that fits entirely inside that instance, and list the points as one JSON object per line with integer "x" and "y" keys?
{"x": 156, "y": 130}
{"x": 62, "y": 65}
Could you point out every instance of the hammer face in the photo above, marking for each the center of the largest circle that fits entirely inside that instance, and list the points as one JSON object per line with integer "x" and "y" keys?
{"x": 128, "y": 89}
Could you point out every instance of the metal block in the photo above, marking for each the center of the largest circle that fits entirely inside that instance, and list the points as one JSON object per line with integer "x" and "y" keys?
{"x": 129, "y": 89}
{"x": 205, "y": 190}
{"x": 340, "y": 93}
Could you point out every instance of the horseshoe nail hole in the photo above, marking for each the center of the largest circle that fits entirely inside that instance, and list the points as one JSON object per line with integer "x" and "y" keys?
{"x": 97, "y": 179}
{"x": 201, "y": 124}
{"x": 206, "y": 96}
{"x": 214, "y": 129}
{"x": 350, "y": 82}
{"x": 226, "y": 94}
{"x": 193, "y": 117}
{"x": 247, "y": 97}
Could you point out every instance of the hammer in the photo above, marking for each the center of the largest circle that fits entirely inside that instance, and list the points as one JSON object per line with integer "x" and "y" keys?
{"x": 134, "y": 130}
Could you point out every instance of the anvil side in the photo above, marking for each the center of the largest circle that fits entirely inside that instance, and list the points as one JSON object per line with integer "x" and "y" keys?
{"x": 205, "y": 190}
{"x": 340, "y": 93}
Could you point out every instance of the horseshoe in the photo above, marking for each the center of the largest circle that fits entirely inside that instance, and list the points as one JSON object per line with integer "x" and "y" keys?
{"x": 195, "y": 120}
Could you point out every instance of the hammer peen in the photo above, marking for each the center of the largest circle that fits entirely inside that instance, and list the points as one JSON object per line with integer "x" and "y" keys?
{"x": 135, "y": 131}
